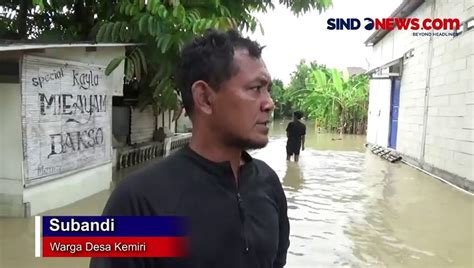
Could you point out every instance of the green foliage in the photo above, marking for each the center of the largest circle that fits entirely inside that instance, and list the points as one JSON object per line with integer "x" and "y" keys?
{"x": 337, "y": 102}
{"x": 160, "y": 27}
{"x": 113, "y": 64}
{"x": 53, "y": 20}
{"x": 281, "y": 98}
{"x": 163, "y": 27}
{"x": 334, "y": 101}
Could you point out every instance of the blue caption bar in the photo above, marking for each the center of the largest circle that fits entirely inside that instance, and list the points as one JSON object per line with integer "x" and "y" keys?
{"x": 159, "y": 226}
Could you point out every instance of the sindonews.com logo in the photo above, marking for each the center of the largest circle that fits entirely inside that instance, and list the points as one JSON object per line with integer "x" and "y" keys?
{"x": 388, "y": 24}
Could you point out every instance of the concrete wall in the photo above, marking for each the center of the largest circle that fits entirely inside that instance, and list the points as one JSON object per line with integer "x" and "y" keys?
{"x": 143, "y": 124}
{"x": 120, "y": 125}
{"x": 413, "y": 82}
{"x": 450, "y": 124}
{"x": 183, "y": 123}
{"x": 11, "y": 152}
{"x": 68, "y": 189}
{"x": 169, "y": 125}
{"x": 447, "y": 148}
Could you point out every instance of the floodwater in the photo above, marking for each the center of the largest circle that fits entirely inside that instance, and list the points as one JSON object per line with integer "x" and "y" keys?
{"x": 350, "y": 208}
{"x": 347, "y": 208}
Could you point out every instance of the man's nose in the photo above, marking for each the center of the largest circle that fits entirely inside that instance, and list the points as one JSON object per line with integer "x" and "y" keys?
{"x": 268, "y": 105}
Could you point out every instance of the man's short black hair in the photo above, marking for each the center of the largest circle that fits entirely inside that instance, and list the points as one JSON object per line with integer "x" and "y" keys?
{"x": 210, "y": 58}
{"x": 298, "y": 114}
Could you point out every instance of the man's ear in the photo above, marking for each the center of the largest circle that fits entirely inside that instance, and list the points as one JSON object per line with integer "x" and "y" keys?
{"x": 203, "y": 96}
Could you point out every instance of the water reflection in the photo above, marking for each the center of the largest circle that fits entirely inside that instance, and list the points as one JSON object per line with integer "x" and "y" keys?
{"x": 293, "y": 179}
{"x": 321, "y": 140}
{"x": 322, "y": 189}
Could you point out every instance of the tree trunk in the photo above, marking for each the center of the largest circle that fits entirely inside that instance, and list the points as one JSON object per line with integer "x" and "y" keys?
{"x": 22, "y": 18}
{"x": 84, "y": 17}
{"x": 342, "y": 125}
{"x": 354, "y": 124}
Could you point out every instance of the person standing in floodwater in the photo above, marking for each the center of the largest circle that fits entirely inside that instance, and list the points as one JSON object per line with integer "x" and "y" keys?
{"x": 295, "y": 131}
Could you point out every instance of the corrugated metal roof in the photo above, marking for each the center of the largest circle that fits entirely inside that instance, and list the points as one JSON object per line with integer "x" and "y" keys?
{"x": 30, "y": 46}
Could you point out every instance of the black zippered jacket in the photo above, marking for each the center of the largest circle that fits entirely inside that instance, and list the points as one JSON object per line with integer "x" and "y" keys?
{"x": 241, "y": 226}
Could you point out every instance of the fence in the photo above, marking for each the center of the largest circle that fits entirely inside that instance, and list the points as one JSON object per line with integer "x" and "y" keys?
{"x": 177, "y": 142}
{"x": 131, "y": 156}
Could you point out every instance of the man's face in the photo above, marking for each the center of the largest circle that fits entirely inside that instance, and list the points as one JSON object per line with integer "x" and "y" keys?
{"x": 242, "y": 106}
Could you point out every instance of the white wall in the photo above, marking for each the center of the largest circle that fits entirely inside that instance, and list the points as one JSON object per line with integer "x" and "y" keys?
{"x": 413, "y": 82}
{"x": 166, "y": 122}
{"x": 450, "y": 126}
{"x": 396, "y": 43}
{"x": 68, "y": 189}
{"x": 183, "y": 123}
{"x": 143, "y": 124}
{"x": 11, "y": 154}
{"x": 450, "y": 122}
{"x": 412, "y": 87}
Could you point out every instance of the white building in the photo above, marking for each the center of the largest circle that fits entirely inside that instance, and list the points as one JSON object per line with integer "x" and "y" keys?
{"x": 421, "y": 100}
{"x": 55, "y": 124}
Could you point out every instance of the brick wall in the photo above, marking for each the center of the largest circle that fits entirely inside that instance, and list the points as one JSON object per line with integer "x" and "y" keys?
{"x": 449, "y": 140}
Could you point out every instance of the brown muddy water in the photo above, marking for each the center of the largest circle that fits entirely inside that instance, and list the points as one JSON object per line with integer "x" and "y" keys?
{"x": 347, "y": 208}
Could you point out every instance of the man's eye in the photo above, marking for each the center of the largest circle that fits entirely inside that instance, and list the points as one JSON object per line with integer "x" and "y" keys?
{"x": 256, "y": 88}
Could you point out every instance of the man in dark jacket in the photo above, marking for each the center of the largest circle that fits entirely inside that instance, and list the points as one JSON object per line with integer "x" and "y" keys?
{"x": 235, "y": 205}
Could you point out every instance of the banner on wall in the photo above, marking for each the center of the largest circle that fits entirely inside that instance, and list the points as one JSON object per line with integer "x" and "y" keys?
{"x": 66, "y": 114}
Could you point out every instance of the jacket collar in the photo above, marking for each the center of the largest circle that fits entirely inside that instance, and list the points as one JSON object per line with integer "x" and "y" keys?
{"x": 219, "y": 168}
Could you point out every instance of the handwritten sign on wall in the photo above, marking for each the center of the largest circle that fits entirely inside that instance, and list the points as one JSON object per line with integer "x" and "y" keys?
{"x": 67, "y": 109}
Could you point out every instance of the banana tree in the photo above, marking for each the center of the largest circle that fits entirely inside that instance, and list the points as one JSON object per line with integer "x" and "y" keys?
{"x": 334, "y": 99}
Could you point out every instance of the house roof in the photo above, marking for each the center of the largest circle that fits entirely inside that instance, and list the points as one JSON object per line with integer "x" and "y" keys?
{"x": 10, "y": 46}
{"x": 355, "y": 70}
{"x": 403, "y": 10}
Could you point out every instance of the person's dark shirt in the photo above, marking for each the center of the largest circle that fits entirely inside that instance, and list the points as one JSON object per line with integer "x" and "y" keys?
{"x": 295, "y": 130}
{"x": 186, "y": 184}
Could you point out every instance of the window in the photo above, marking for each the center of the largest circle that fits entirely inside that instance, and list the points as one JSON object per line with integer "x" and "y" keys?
{"x": 466, "y": 26}
{"x": 9, "y": 71}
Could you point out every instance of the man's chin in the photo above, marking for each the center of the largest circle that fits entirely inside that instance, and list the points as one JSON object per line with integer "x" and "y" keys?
{"x": 250, "y": 143}
{"x": 256, "y": 144}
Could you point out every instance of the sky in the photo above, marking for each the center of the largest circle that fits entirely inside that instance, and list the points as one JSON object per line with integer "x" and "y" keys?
{"x": 288, "y": 39}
